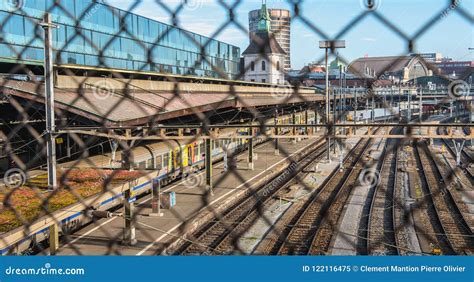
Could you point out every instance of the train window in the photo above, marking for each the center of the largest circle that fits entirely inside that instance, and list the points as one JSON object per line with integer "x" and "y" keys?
{"x": 190, "y": 155}
{"x": 149, "y": 164}
{"x": 201, "y": 148}
{"x": 165, "y": 160}
{"x": 158, "y": 161}
{"x": 196, "y": 152}
{"x": 142, "y": 165}
{"x": 179, "y": 157}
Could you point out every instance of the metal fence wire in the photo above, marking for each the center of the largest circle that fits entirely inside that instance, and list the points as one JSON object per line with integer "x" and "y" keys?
{"x": 123, "y": 166}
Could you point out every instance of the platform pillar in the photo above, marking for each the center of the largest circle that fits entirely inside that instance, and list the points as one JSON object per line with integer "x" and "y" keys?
{"x": 294, "y": 126}
{"x": 277, "y": 132}
{"x": 250, "y": 157}
{"x": 129, "y": 231}
{"x": 155, "y": 198}
{"x": 53, "y": 239}
{"x": 306, "y": 122}
{"x": 208, "y": 145}
{"x": 127, "y": 155}
{"x": 328, "y": 138}
{"x": 341, "y": 154}
{"x": 126, "y": 164}
{"x": 314, "y": 128}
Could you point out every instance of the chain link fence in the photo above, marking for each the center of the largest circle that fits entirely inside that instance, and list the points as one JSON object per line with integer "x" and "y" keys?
{"x": 142, "y": 108}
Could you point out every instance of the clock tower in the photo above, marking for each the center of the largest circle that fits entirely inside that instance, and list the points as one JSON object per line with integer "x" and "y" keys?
{"x": 264, "y": 21}
{"x": 264, "y": 59}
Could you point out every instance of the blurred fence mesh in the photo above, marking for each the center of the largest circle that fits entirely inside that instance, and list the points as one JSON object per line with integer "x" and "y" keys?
{"x": 100, "y": 156}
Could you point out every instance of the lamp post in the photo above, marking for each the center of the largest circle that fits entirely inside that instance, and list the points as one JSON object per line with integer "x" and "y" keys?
{"x": 329, "y": 44}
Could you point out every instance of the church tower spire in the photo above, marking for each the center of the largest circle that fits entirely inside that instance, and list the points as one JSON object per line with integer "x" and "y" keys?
{"x": 264, "y": 21}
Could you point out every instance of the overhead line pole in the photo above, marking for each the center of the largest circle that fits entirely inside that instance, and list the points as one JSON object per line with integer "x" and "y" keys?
{"x": 47, "y": 25}
{"x": 49, "y": 101}
{"x": 329, "y": 45}
{"x": 328, "y": 140}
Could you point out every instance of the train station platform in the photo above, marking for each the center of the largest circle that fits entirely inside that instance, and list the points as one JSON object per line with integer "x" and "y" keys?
{"x": 193, "y": 204}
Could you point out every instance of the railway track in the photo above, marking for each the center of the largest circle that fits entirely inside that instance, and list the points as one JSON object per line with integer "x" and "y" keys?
{"x": 219, "y": 235}
{"x": 455, "y": 229}
{"x": 381, "y": 236}
{"x": 309, "y": 225}
{"x": 403, "y": 222}
{"x": 466, "y": 158}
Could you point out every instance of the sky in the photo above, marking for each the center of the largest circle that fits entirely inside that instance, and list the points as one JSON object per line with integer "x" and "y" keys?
{"x": 452, "y": 34}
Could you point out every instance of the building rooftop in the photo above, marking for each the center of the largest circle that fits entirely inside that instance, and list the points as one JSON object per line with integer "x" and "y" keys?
{"x": 381, "y": 64}
{"x": 264, "y": 43}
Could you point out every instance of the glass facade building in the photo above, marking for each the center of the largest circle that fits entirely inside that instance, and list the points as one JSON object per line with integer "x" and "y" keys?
{"x": 98, "y": 40}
